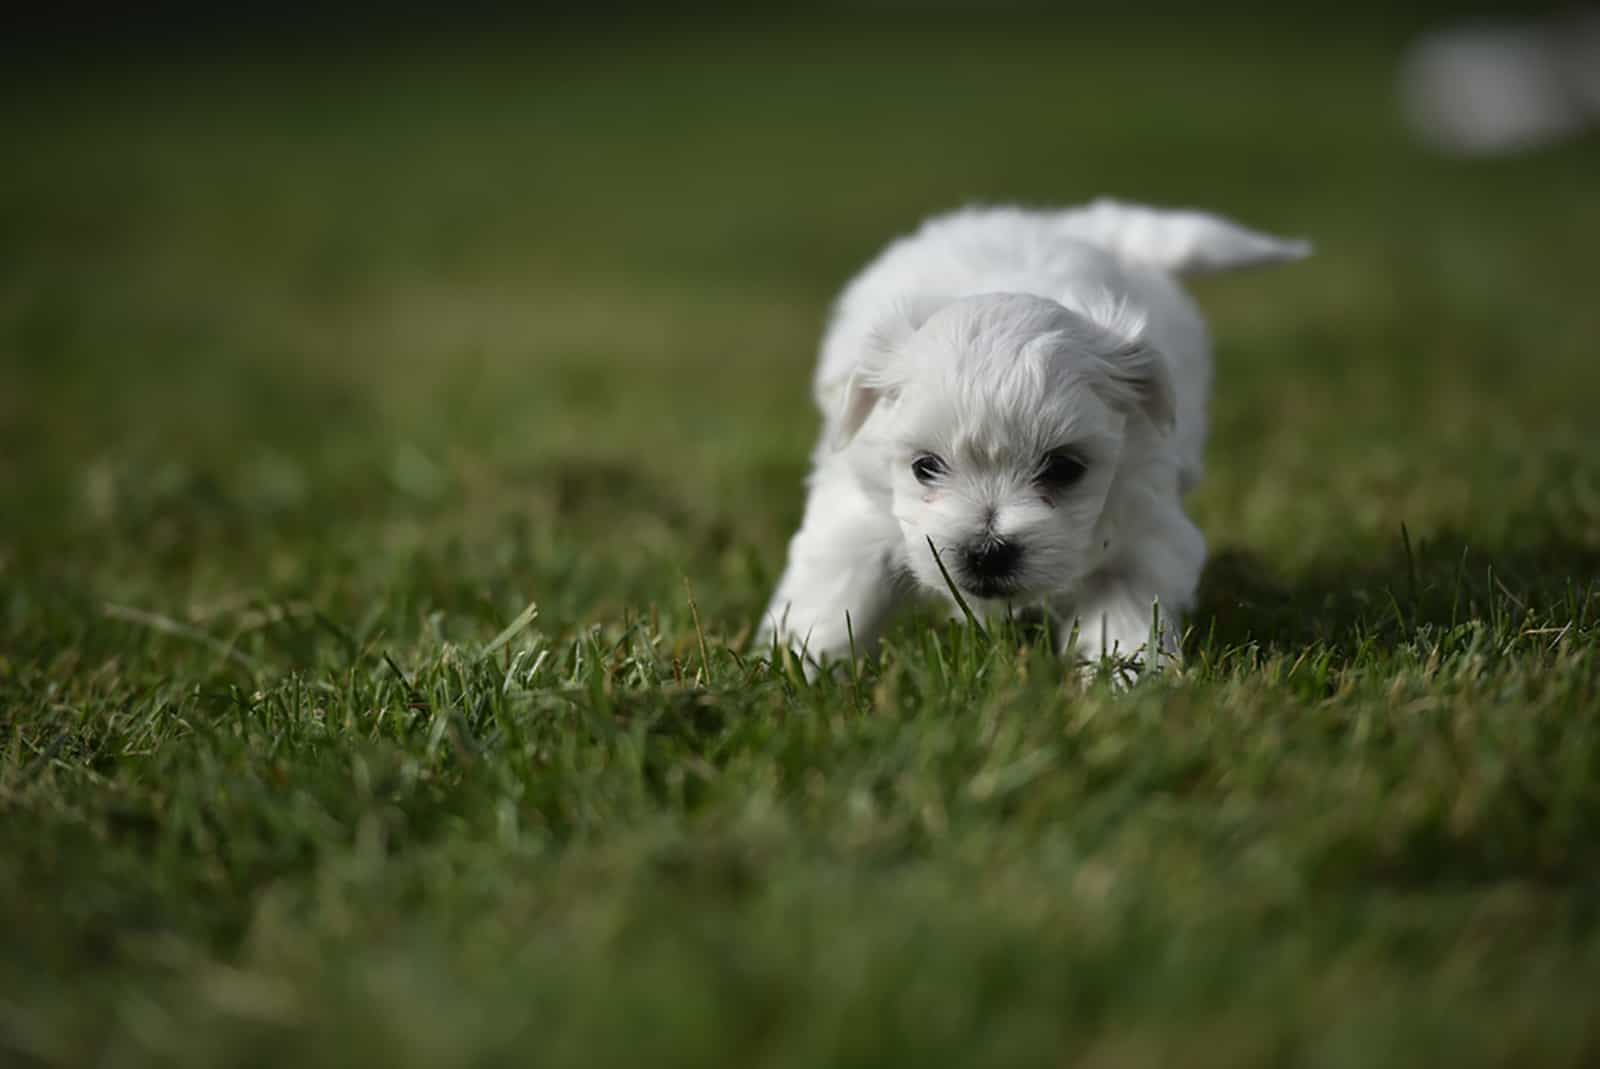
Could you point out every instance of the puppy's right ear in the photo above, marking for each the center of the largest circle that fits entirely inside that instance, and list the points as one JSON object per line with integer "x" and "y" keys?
{"x": 861, "y": 396}
{"x": 872, "y": 380}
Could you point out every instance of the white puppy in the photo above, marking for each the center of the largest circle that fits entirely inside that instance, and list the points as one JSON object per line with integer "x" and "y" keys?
{"x": 1022, "y": 393}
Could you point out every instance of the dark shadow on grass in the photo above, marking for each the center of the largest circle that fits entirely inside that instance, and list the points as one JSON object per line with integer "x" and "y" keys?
{"x": 1437, "y": 583}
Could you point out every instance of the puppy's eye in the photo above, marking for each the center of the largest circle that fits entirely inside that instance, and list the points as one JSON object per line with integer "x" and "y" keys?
{"x": 927, "y": 468}
{"x": 1060, "y": 470}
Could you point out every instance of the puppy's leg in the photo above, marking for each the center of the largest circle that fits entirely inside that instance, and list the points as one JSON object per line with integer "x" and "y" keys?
{"x": 1115, "y": 621}
{"x": 839, "y": 579}
{"x": 1143, "y": 594}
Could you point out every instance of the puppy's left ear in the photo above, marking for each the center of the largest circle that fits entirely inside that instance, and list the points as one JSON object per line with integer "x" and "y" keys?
{"x": 1137, "y": 378}
{"x": 1133, "y": 375}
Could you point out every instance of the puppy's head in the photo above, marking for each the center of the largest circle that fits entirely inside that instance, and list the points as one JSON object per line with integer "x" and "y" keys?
{"x": 1003, "y": 420}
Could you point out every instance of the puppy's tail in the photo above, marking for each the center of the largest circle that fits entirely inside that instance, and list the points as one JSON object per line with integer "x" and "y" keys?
{"x": 1183, "y": 242}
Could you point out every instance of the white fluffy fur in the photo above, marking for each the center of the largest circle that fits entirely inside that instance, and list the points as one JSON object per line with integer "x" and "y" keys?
{"x": 990, "y": 338}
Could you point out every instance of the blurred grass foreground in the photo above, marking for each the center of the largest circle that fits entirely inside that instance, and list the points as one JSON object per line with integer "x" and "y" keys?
{"x": 320, "y": 366}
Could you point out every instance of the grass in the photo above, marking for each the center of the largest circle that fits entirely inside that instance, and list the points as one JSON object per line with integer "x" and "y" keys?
{"x": 395, "y": 449}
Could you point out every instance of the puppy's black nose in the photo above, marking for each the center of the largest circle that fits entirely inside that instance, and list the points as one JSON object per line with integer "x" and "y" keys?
{"x": 991, "y": 558}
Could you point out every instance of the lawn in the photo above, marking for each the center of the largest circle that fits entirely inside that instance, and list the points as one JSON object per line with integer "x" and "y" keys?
{"x": 398, "y": 441}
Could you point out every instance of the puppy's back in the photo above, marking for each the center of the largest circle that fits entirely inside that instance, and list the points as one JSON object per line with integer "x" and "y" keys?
{"x": 1065, "y": 256}
{"x": 963, "y": 254}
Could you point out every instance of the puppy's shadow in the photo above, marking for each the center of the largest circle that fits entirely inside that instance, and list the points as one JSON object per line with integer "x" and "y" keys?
{"x": 1436, "y": 583}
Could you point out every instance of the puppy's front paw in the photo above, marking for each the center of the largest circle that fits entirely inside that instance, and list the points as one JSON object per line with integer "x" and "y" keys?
{"x": 789, "y": 652}
{"x": 1123, "y": 671}
{"x": 1117, "y": 644}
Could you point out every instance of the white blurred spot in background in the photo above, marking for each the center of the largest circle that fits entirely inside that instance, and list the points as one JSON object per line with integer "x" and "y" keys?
{"x": 1494, "y": 88}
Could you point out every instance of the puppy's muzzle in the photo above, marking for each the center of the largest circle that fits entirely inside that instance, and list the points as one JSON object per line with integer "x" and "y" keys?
{"x": 990, "y": 565}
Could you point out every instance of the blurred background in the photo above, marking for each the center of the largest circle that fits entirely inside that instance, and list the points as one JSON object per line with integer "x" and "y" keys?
{"x": 463, "y": 308}
{"x": 330, "y": 340}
